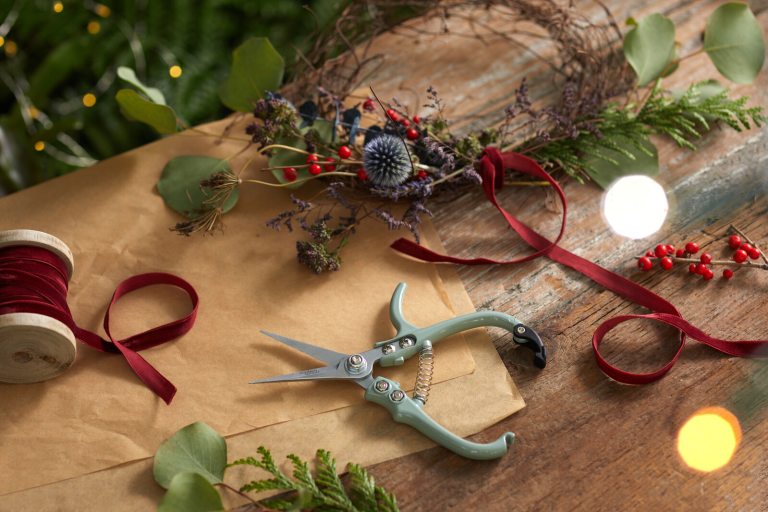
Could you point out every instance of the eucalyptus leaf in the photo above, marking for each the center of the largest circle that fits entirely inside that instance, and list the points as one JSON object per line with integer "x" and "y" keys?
{"x": 179, "y": 183}
{"x": 190, "y": 492}
{"x": 137, "y": 108}
{"x": 152, "y": 93}
{"x": 256, "y": 69}
{"x": 650, "y": 47}
{"x": 196, "y": 448}
{"x": 733, "y": 40}
{"x": 613, "y": 164}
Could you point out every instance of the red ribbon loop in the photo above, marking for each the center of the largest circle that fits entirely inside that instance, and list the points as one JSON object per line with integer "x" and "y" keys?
{"x": 492, "y": 166}
{"x": 34, "y": 280}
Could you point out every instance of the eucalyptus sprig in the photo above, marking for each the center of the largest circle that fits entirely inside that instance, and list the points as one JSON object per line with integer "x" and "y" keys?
{"x": 191, "y": 465}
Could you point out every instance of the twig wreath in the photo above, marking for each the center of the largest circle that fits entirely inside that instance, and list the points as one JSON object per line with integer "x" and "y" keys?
{"x": 374, "y": 158}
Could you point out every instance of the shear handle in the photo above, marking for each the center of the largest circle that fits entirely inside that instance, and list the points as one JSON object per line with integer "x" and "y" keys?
{"x": 400, "y": 351}
{"x": 388, "y": 394}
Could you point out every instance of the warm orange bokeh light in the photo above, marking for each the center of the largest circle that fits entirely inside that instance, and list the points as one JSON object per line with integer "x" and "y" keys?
{"x": 709, "y": 438}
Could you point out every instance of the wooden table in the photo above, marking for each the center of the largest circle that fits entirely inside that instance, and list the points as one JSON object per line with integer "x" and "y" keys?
{"x": 587, "y": 443}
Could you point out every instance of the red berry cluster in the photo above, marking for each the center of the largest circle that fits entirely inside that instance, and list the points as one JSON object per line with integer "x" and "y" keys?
{"x": 667, "y": 255}
{"x": 314, "y": 168}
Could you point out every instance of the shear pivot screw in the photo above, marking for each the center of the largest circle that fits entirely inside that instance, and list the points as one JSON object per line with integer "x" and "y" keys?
{"x": 356, "y": 364}
{"x": 520, "y": 329}
{"x": 382, "y": 386}
{"x": 388, "y": 349}
{"x": 407, "y": 342}
{"x": 397, "y": 395}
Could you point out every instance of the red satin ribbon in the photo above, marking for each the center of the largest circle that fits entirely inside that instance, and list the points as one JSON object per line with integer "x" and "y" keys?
{"x": 35, "y": 280}
{"x": 492, "y": 166}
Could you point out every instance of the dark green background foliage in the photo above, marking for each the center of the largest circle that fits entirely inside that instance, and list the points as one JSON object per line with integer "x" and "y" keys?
{"x": 58, "y": 61}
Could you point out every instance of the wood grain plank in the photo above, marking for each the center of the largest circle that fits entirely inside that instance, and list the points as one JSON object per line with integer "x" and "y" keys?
{"x": 586, "y": 442}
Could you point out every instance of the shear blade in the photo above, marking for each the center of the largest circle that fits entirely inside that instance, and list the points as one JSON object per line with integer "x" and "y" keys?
{"x": 325, "y": 372}
{"x": 329, "y": 357}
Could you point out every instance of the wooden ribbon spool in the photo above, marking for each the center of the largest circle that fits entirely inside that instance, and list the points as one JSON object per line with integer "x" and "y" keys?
{"x": 35, "y": 347}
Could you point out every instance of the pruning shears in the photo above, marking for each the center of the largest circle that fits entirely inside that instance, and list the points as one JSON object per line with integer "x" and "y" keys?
{"x": 409, "y": 341}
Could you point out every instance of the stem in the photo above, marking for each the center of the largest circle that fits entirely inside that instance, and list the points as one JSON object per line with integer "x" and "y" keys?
{"x": 297, "y": 182}
{"x": 238, "y": 492}
{"x": 208, "y": 134}
{"x": 713, "y": 262}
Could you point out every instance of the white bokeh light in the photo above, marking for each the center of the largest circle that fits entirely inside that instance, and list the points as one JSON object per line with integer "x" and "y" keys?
{"x": 635, "y": 206}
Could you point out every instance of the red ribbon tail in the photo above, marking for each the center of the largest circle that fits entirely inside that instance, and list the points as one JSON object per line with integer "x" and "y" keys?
{"x": 153, "y": 379}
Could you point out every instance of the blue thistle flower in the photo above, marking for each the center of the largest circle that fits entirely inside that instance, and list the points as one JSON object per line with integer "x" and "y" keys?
{"x": 386, "y": 161}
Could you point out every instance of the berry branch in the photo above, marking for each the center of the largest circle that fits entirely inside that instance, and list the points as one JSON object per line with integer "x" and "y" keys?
{"x": 666, "y": 255}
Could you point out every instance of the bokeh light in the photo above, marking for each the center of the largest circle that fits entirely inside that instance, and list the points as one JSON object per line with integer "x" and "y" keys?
{"x": 635, "y": 206}
{"x": 2, "y": 41}
{"x": 102, "y": 10}
{"x": 58, "y": 6}
{"x": 708, "y": 439}
{"x": 89, "y": 99}
{"x": 39, "y": 145}
{"x": 174, "y": 71}
{"x": 10, "y": 48}
{"x": 94, "y": 27}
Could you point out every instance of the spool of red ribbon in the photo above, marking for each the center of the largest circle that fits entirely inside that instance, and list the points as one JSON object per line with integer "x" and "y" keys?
{"x": 37, "y": 330}
{"x": 492, "y": 167}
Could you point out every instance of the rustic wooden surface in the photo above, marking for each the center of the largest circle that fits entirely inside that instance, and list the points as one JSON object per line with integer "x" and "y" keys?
{"x": 587, "y": 443}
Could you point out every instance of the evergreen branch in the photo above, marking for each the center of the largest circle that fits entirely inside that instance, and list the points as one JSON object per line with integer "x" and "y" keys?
{"x": 682, "y": 119}
{"x": 325, "y": 491}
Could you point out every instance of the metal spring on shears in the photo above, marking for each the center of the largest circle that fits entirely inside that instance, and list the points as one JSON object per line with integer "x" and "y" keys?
{"x": 424, "y": 374}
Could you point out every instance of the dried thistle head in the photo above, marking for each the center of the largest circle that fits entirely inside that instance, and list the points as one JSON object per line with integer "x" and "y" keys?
{"x": 207, "y": 221}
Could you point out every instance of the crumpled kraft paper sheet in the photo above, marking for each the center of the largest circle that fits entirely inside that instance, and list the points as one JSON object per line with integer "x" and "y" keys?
{"x": 369, "y": 434}
{"x": 99, "y": 414}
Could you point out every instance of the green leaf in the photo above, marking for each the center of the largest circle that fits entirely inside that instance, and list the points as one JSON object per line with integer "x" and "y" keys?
{"x": 152, "y": 93}
{"x": 612, "y": 164}
{"x": 190, "y": 492}
{"x": 322, "y": 130}
{"x": 256, "y": 69}
{"x": 196, "y": 448}
{"x": 137, "y": 108}
{"x": 650, "y": 47}
{"x": 179, "y": 184}
{"x": 703, "y": 91}
{"x": 733, "y": 40}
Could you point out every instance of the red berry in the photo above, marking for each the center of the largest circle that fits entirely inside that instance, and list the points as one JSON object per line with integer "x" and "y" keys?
{"x": 660, "y": 251}
{"x": 708, "y": 275}
{"x": 422, "y": 175}
{"x": 416, "y": 119}
{"x": 745, "y": 247}
{"x": 362, "y": 175}
{"x": 368, "y": 105}
{"x": 315, "y": 169}
{"x": 330, "y": 167}
{"x": 727, "y": 273}
{"x": 344, "y": 152}
{"x": 754, "y": 253}
{"x": 734, "y": 241}
{"x": 405, "y": 122}
{"x": 740, "y": 256}
{"x": 649, "y": 253}
{"x": 666, "y": 263}
{"x": 311, "y": 158}
{"x": 412, "y": 134}
{"x": 692, "y": 247}
{"x": 692, "y": 268}
{"x": 680, "y": 253}
{"x": 644, "y": 263}
{"x": 670, "y": 249}
{"x": 701, "y": 269}
{"x": 394, "y": 116}
{"x": 706, "y": 258}
{"x": 289, "y": 173}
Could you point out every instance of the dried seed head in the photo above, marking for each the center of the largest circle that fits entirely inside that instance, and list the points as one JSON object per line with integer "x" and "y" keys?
{"x": 386, "y": 161}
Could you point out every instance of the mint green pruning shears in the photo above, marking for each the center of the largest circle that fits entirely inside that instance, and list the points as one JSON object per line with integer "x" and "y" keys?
{"x": 409, "y": 341}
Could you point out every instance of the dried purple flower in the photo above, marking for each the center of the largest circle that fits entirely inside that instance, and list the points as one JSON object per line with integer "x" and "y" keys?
{"x": 386, "y": 161}
{"x": 315, "y": 255}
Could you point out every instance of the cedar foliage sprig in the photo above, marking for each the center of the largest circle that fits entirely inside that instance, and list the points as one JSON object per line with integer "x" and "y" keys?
{"x": 325, "y": 491}
{"x": 682, "y": 118}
